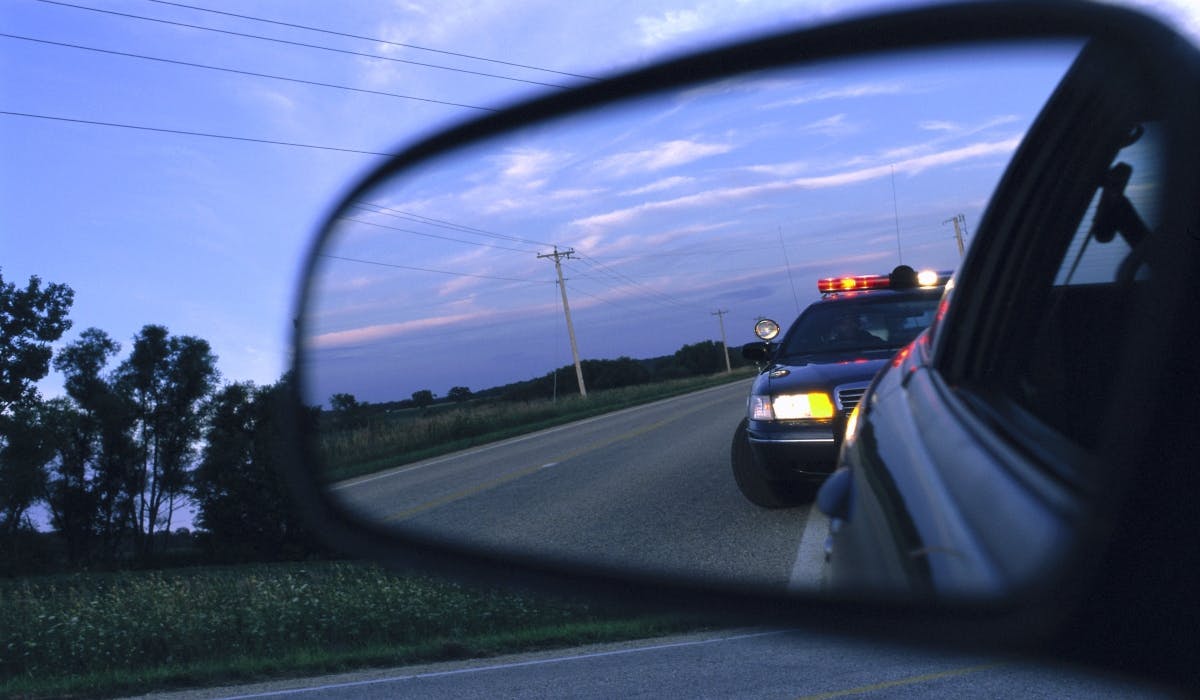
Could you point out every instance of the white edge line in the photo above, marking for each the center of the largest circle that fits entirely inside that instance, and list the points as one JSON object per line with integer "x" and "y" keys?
{"x": 518, "y": 664}
{"x": 810, "y": 553}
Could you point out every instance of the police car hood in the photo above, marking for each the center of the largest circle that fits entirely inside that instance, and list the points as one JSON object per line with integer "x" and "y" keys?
{"x": 824, "y": 371}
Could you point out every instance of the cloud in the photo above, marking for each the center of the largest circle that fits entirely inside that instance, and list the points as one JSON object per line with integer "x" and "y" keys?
{"x": 368, "y": 334}
{"x": 665, "y": 155}
{"x": 780, "y": 169}
{"x": 671, "y": 24}
{"x": 712, "y": 197}
{"x": 654, "y": 241}
{"x": 910, "y": 166}
{"x": 517, "y": 178}
{"x": 527, "y": 164}
{"x": 457, "y": 285}
{"x": 574, "y": 194}
{"x": 949, "y": 132}
{"x": 835, "y": 125}
{"x": 277, "y": 101}
{"x": 939, "y": 125}
{"x": 659, "y": 185}
{"x": 848, "y": 92}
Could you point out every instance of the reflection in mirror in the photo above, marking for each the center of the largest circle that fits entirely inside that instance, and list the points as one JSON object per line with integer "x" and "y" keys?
{"x": 518, "y": 346}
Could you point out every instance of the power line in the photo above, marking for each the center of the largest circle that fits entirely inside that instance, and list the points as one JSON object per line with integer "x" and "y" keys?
{"x": 299, "y": 43}
{"x": 372, "y": 39}
{"x": 92, "y": 122}
{"x": 626, "y": 303}
{"x": 676, "y": 252}
{"x": 625, "y": 278}
{"x": 426, "y": 269}
{"x": 434, "y": 235}
{"x": 242, "y": 72}
{"x": 611, "y": 302}
{"x": 441, "y": 223}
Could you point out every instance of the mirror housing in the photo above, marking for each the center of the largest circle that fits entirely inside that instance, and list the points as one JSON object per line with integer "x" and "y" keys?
{"x": 1094, "y": 607}
{"x": 758, "y": 352}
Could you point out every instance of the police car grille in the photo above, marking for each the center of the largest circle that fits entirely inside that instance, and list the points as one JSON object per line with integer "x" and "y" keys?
{"x": 849, "y": 398}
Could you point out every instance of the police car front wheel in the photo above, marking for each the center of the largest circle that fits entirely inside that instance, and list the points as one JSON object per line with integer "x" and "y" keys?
{"x": 752, "y": 481}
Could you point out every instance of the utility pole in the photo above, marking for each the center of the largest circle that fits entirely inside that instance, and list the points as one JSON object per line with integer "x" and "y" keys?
{"x": 960, "y": 228}
{"x": 562, "y": 287}
{"x": 720, "y": 314}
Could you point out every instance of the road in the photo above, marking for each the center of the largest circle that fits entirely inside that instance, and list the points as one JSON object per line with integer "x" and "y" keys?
{"x": 647, "y": 488}
{"x": 745, "y": 663}
{"x": 650, "y": 488}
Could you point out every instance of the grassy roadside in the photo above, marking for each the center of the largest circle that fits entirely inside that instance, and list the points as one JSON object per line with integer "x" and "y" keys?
{"x": 100, "y": 635}
{"x": 409, "y": 438}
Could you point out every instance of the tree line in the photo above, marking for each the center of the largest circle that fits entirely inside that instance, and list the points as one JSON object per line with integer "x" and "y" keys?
{"x": 132, "y": 442}
{"x": 693, "y": 359}
{"x": 136, "y": 439}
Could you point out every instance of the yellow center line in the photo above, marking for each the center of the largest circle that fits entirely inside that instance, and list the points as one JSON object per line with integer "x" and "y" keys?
{"x": 558, "y": 459}
{"x": 912, "y": 680}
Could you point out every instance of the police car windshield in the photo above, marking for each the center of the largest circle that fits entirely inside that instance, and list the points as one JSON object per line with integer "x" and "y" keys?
{"x": 875, "y": 322}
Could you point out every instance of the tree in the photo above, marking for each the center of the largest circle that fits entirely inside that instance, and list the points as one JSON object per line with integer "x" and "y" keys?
{"x": 343, "y": 403}
{"x": 23, "y": 457}
{"x": 422, "y": 398}
{"x": 458, "y": 394}
{"x": 705, "y": 357}
{"x": 346, "y": 412}
{"x": 69, "y": 492}
{"x": 96, "y": 457}
{"x": 612, "y": 374}
{"x": 167, "y": 379}
{"x": 241, "y": 502}
{"x": 30, "y": 320}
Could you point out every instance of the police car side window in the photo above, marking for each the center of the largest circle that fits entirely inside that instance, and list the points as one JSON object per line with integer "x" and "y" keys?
{"x": 1064, "y": 358}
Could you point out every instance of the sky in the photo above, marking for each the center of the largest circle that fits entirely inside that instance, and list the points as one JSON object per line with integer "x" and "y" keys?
{"x": 724, "y": 199}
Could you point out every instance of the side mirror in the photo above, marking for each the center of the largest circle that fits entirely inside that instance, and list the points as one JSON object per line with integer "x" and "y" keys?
{"x": 758, "y": 352}
{"x": 596, "y": 218}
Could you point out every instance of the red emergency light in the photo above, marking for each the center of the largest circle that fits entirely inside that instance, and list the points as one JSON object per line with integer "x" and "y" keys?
{"x": 903, "y": 277}
{"x": 830, "y": 285}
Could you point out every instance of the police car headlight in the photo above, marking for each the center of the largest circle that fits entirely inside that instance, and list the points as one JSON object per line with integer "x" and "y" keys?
{"x": 791, "y": 406}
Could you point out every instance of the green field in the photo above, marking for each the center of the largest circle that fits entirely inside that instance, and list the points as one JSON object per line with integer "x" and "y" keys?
{"x": 99, "y": 635}
{"x": 393, "y": 439}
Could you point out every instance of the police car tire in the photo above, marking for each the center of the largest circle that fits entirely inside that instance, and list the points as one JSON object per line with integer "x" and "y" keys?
{"x": 753, "y": 483}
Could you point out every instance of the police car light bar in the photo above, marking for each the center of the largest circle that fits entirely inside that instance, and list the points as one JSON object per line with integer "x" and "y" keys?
{"x": 902, "y": 277}
{"x": 830, "y": 285}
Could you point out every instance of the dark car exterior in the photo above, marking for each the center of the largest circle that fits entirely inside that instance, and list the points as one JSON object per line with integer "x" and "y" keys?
{"x": 814, "y": 377}
{"x": 1055, "y": 382}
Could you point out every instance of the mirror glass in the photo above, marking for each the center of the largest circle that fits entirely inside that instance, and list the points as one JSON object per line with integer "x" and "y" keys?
{"x": 449, "y": 305}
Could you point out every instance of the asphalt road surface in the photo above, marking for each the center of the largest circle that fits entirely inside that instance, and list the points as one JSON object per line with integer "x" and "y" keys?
{"x": 747, "y": 663}
{"x": 648, "y": 488}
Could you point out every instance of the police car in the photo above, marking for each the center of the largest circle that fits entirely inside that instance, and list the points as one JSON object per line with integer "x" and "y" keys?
{"x": 811, "y": 380}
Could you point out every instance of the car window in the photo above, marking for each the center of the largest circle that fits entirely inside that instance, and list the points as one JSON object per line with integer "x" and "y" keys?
{"x": 841, "y": 326}
{"x": 1060, "y": 360}
{"x": 1088, "y": 261}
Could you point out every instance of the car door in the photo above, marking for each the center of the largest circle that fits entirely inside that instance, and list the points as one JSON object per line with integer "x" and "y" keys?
{"x": 995, "y": 452}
